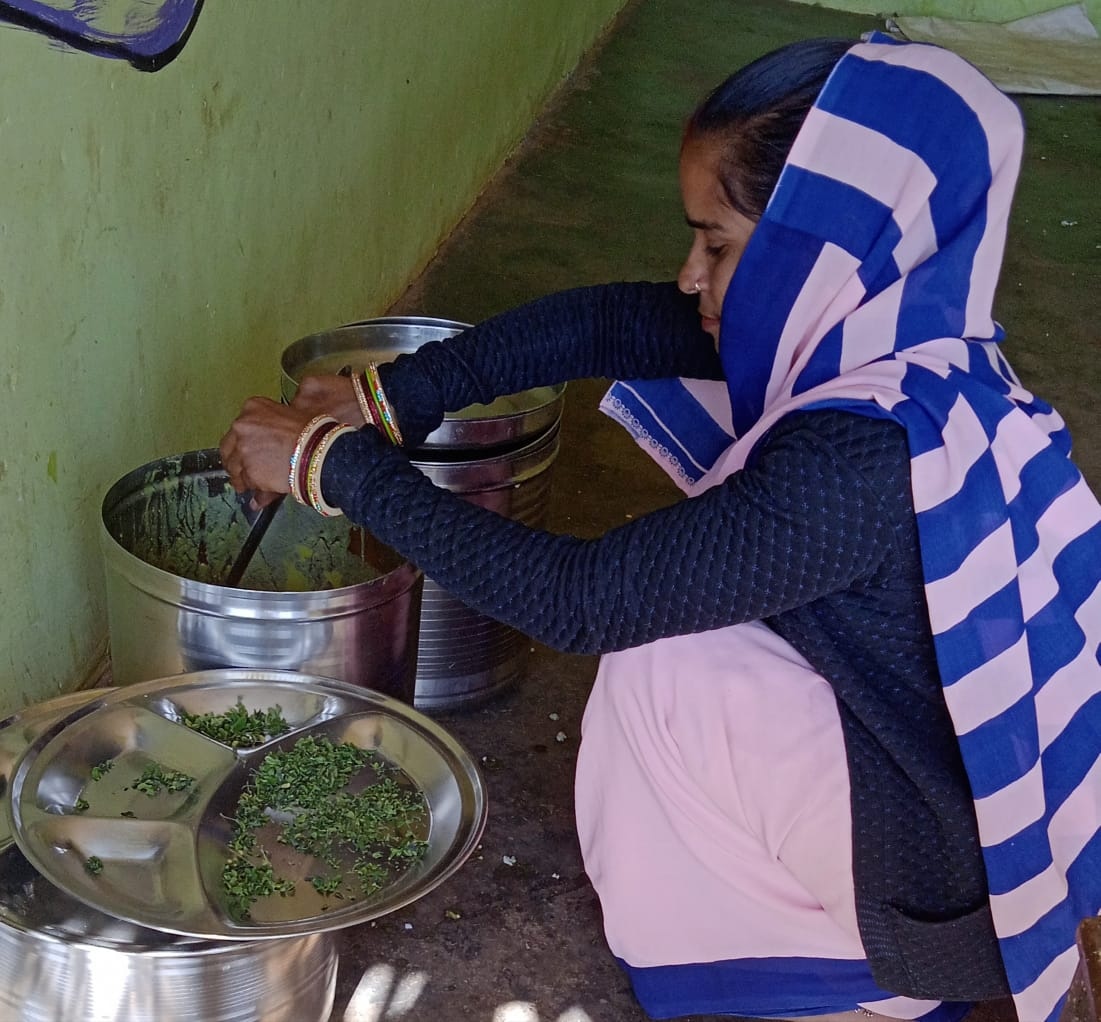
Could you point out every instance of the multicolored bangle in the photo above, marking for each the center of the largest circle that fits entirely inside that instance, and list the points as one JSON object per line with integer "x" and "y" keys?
{"x": 317, "y": 462}
{"x": 385, "y": 416}
{"x": 300, "y": 457}
{"x": 364, "y": 402}
{"x": 307, "y": 454}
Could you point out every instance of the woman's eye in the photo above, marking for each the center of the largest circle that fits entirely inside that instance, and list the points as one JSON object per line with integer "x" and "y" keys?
{"x": 715, "y": 250}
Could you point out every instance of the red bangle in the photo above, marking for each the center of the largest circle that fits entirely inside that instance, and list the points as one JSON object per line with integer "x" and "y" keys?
{"x": 300, "y": 457}
{"x": 317, "y": 462}
{"x": 302, "y": 472}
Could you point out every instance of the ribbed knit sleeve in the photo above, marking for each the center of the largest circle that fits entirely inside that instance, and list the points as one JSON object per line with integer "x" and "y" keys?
{"x": 800, "y": 523}
{"x": 629, "y": 331}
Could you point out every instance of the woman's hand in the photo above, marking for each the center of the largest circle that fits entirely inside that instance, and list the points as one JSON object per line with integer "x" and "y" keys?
{"x": 328, "y": 395}
{"x": 256, "y": 450}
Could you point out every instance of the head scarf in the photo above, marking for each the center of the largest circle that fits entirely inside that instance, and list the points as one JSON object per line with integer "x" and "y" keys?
{"x": 868, "y": 285}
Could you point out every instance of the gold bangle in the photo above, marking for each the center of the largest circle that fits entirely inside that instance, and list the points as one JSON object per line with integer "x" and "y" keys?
{"x": 386, "y": 413}
{"x": 308, "y": 432}
{"x": 317, "y": 461}
{"x": 362, "y": 399}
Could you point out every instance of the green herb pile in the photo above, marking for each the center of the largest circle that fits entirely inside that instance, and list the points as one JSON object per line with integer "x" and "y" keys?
{"x": 155, "y": 778}
{"x": 237, "y": 727}
{"x": 377, "y": 829}
{"x": 94, "y": 865}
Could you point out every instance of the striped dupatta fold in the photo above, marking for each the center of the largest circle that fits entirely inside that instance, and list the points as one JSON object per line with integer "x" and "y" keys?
{"x": 868, "y": 285}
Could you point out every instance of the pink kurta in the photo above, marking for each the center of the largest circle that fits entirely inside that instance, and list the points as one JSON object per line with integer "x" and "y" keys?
{"x": 713, "y": 805}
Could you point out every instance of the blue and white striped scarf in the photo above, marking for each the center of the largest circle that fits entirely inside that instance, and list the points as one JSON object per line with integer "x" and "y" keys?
{"x": 868, "y": 284}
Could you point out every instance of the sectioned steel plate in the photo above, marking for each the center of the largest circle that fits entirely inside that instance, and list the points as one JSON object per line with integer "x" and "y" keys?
{"x": 29, "y": 904}
{"x": 162, "y": 857}
{"x": 22, "y": 728}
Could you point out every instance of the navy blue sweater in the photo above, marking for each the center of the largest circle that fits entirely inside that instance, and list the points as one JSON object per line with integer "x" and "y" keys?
{"x": 816, "y": 536}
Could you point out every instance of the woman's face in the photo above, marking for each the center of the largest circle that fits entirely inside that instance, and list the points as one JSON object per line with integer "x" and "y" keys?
{"x": 719, "y": 232}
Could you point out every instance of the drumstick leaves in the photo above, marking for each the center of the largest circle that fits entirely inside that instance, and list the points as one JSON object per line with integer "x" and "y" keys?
{"x": 339, "y": 805}
{"x": 156, "y": 778}
{"x": 237, "y": 727}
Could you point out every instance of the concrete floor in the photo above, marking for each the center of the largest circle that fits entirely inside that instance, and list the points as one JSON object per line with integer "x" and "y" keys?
{"x": 592, "y": 196}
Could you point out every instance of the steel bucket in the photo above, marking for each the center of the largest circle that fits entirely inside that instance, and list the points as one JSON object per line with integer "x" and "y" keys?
{"x": 61, "y": 960}
{"x": 464, "y": 656}
{"x": 319, "y": 597}
{"x": 498, "y": 456}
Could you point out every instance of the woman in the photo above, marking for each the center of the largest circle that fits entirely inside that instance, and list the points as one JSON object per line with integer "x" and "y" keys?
{"x": 840, "y": 751}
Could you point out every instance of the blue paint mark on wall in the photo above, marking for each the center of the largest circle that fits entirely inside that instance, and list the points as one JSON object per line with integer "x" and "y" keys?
{"x": 147, "y": 33}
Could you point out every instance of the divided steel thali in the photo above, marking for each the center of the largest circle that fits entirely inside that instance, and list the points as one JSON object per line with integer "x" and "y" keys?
{"x": 94, "y": 809}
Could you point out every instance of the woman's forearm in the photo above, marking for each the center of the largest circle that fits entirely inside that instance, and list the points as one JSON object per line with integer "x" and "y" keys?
{"x": 691, "y": 567}
{"x": 629, "y": 331}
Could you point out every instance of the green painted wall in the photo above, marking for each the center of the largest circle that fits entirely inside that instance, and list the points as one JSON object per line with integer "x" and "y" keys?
{"x": 163, "y": 236}
{"x": 966, "y": 10}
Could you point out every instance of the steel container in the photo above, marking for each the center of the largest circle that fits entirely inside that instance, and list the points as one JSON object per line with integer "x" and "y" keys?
{"x": 498, "y": 456}
{"x": 319, "y": 597}
{"x": 60, "y": 959}
{"x": 509, "y": 420}
{"x": 65, "y": 961}
{"x": 464, "y": 656}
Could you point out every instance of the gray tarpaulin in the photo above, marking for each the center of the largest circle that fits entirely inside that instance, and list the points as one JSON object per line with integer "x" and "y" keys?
{"x": 1055, "y": 52}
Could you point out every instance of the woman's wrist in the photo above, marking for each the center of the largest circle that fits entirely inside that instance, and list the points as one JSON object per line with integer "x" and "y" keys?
{"x": 374, "y": 405}
{"x": 308, "y": 458}
{"x": 359, "y": 466}
{"x": 317, "y": 461}
{"x": 303, "y": 450}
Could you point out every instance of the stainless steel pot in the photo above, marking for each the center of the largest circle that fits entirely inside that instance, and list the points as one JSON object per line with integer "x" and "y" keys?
{"x": 463, "y": 656}
{"x": 510, "y": 419}
{"x": 319, "y": 596}
{"x": 60, "y": 959}
{"x": 498, "y": 456}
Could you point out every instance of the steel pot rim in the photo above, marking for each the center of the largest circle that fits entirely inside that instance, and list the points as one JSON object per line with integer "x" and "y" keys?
{"x": 184, "y": 948}
{"x": 238, "y": 601}
{"x": 540, "y": 406}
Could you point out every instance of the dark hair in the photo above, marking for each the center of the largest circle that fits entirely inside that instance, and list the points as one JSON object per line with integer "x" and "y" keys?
{"x": 756, "y": 113}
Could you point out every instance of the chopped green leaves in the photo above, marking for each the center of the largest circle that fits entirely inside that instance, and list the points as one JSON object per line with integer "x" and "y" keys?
{"x": 97, "y": 774}
{"x": 237, "y": 727}
{"x": 328, "y": 884}
{"x": 368, "y": 834}
{"x": 343, "y": 820}
{"x": 100, "y": 770}
{"x": 246, "y": 881}
{"x": 155, "y": 778}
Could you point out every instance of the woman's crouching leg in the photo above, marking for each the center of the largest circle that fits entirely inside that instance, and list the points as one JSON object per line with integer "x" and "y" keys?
{"x": 713, "y": 813}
